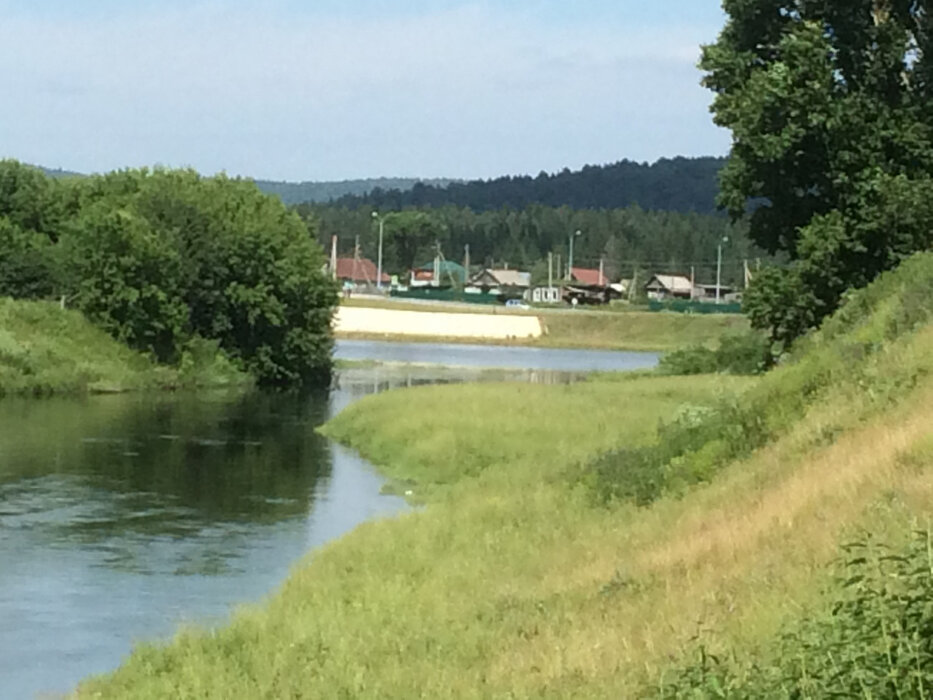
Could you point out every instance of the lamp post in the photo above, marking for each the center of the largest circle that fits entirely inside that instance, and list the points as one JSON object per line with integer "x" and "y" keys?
{"x": 724, "y": 239}
{"x": 381, "y": 220}
{"x": 570, "y": 261}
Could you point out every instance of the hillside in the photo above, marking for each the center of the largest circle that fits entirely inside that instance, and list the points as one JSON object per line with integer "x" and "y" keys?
{"x": 46, "y": 350}
{"x": 325, "y": 191}
{"x": 310, "y": 191}
{"x": 533, "y": 572}
{"x": 685, "y": 185}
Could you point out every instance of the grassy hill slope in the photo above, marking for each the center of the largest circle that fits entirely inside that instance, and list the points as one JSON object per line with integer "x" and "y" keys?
{"x": 47, "y": 350}
{"x": 550, "y": 561}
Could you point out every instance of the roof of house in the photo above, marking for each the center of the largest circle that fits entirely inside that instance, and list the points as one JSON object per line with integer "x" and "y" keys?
{"x": 362, "y": 270}
{"x": 506, "y": 278}
{"x": 589, "y": 277}
{"x": 672, "y": 283}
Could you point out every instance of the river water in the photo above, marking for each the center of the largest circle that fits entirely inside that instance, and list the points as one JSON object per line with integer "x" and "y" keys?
{"x": 123, "y": 517}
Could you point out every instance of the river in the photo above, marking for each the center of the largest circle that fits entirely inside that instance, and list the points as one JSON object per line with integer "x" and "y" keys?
{"x": 124, "y": 517}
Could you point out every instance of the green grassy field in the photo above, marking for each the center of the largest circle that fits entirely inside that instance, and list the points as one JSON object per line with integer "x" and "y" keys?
{"x": 518, "y": 578}
{"x": 47, "y": 350}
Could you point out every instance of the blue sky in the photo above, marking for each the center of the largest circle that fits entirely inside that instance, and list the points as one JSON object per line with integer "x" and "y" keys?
{"x": 300, "y": 90}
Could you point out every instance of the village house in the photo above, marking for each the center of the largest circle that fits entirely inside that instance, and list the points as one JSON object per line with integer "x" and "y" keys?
{"x": 585, "y": 277}
{"x": 588, "y": 286}
{"x": 358, "y": 272}
{"x": 664, "y": 287}
{"x": 707, "y": 292}
{"x": 501, "y": 281}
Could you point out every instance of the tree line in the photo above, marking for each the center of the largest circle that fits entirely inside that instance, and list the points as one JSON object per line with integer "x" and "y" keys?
{"x": 670, "y": 184}
{"x": 161, "y": 257}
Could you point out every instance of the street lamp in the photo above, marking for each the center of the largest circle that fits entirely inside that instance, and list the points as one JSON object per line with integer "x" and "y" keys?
{"x": 381, "y": 220}
{"x": 570, "y": 262}
{"x": 724, "y": 239}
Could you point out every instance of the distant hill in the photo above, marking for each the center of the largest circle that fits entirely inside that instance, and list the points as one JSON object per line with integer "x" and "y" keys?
{"x": 670, "y": 184}
{"x": 321, "y": 192}
{"x": 314, "y": 192}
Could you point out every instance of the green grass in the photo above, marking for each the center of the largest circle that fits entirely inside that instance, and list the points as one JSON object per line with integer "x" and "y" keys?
{"x": 637, "y": 330}
{"x": 518, "y": 578}
{"x": 46, "y": 350}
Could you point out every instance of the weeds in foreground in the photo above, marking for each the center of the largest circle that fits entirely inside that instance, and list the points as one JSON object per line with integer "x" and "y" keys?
{"x": 876, "y": 641}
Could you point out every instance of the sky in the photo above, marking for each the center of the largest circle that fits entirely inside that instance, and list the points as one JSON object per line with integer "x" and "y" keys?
{"x": 342, "y": 89}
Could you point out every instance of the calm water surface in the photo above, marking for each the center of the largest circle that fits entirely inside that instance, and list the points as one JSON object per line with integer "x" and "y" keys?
{"x": 122, "y": 517}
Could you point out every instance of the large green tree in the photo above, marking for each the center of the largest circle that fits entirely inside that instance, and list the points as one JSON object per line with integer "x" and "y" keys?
{"x": 829, "y": 104}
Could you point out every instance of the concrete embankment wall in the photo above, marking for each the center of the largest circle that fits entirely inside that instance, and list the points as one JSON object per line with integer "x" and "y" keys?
{"x": 350, "y": 319}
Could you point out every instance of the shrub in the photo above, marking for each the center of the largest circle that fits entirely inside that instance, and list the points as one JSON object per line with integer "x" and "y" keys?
{"x": 739, "y": 353}
{"x": 877, "y": 640}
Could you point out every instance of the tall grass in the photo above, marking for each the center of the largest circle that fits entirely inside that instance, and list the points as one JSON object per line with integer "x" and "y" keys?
{"x": 872, "y": 353}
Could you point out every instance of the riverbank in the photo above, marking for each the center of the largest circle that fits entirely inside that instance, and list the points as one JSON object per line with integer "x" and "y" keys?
{"x": 634, "y": 331}
{"x": 570, "y": 549}
{"x": 46, "y": 350}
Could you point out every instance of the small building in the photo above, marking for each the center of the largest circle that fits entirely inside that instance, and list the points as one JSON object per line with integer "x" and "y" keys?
{"x": 661, "y": 287}
{"x": 359, "y": 272}
{"x": 501, "y": 281}
{"x": 585, "y": 277}
{"x": 707, "y": 292}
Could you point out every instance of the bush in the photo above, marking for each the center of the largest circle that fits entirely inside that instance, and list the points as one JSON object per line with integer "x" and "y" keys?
{"x": 877, "y": 641}
{"x": 696, "y": 359}
{"x": 741, "y": 353}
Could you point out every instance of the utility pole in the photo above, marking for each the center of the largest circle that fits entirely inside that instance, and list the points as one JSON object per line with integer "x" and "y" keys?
{"x": 725, "y": 239}
{"x": 550, "y": 272}
{"x": 559, "y": 265}
{"x": 381, "y": 220}
{"x": 437, "y": 264}
{"x": 602, "y": 282}
{"x": 693, "y": 281}
{"x": 356, "y": 258}
{"x": 466, "y": 260}
{"x": 570, "y": 261}
{"x": 333, "y": 257}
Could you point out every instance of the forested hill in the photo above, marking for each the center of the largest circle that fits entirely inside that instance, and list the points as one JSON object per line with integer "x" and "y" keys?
{"x": 319, "y": 192}
{"x": 676, "y": 184}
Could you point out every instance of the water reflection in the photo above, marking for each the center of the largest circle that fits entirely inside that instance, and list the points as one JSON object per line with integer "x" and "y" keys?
{"x": 114, "y": 473}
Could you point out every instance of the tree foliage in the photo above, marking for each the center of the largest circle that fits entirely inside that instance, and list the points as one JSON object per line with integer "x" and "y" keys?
{"x": 160, "y": 257}
{"x": 829, "y": 106}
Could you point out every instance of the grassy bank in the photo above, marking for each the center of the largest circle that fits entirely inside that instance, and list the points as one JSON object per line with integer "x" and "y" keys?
{"x": 532, "y": 571}
{"x": 46, "y": 350}
{"x": 637, "y": 330}
{"x": 581, "y": 328}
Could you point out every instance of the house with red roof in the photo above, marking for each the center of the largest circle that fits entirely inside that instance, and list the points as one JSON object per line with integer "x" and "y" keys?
{"x": 586, "y": 277}
{"x": 359, "y": 271}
